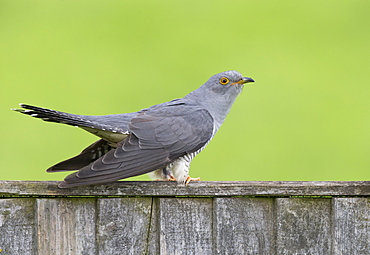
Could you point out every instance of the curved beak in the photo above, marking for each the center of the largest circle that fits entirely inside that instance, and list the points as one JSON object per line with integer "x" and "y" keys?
{"x": 244, "y": 80}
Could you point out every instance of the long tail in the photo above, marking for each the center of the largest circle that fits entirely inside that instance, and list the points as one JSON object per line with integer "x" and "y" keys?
{"x": 65, "y": 118}
{"x": 54, "y": 116}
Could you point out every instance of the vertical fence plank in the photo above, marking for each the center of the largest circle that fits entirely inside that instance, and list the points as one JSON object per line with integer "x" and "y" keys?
{"x": 243, "y": 226}
{"x": 351, "y": 225}
{"x": 66, "y": 226}
{"x": 185, "y": 226}
{"x": 303, "y": 226}
{"x": 17, "y": 226}
{"x": 123, "y": 225}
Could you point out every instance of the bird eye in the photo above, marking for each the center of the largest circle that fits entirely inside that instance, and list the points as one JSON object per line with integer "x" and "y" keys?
{"x": 224, "y": 80}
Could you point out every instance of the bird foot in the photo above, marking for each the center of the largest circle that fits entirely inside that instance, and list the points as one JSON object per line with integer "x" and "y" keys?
{"x": 172, "y": 179}
{"x": 189, "y": 179}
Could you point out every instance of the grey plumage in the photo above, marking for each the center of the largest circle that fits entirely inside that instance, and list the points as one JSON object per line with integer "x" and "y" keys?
{"x": 162, "y": 139}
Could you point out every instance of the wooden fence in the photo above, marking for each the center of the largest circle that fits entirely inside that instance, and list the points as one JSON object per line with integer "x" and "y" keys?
{"x": 201, "y": 218}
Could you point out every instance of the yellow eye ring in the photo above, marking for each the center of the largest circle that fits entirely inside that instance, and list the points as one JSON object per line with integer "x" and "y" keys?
{"x": 224, "y": 81}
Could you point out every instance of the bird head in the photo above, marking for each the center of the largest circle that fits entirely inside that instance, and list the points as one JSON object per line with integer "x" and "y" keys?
{"x": 227, "y": 82}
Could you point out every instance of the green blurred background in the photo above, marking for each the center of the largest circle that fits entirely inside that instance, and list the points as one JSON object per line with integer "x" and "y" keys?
{"x": 307, "y": 117}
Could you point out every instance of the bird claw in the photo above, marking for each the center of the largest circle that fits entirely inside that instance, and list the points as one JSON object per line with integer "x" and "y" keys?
{"x": 172, "y": 179}
{"x": 189, "y": 179}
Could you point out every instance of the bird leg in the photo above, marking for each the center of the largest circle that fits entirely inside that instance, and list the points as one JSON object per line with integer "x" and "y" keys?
{"x": 172, "y": 178}
{"x": 189, "y": 179}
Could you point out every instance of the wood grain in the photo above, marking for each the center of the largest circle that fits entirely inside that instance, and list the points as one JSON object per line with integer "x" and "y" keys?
{"x": 66, "y": 226}
{"x": 123, "y": 225}
{"x": 208, "y": 189}
{"x": 352, "y": 225}
{"x": 17, "y": 226}
{"x": 243, "y": 226}
{"x": 202, "y": 218}
{"x": 185, "y": 226}
{"x": 303, "y": 226}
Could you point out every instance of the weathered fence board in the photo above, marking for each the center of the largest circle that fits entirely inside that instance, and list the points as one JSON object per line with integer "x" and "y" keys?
{"x": 123, "y": 225}
{"x": 66, "y": 226}
{"x": 17, "y": 226}
{"x": 185, "y": 225}
{"x": 202, "y": 218}
{"x": 351, "y": 225}
{"x": 244, "y": 225}
{"x": 209, "y": 188}
{"x": 303, "y": 226}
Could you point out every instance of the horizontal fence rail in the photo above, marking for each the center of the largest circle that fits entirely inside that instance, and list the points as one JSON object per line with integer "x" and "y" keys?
{"x": 201, "y": 218}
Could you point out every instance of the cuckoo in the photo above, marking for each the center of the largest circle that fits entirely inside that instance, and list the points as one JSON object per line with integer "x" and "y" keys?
{"x": 160, "y": 140}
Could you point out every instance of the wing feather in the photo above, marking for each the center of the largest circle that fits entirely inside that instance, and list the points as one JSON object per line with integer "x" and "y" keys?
{"x": 156, "y": 137}
{"x": 88, "y": 155}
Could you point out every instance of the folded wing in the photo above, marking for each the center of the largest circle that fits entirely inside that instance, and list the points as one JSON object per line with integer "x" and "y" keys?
{"x": 156, "y": 137}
